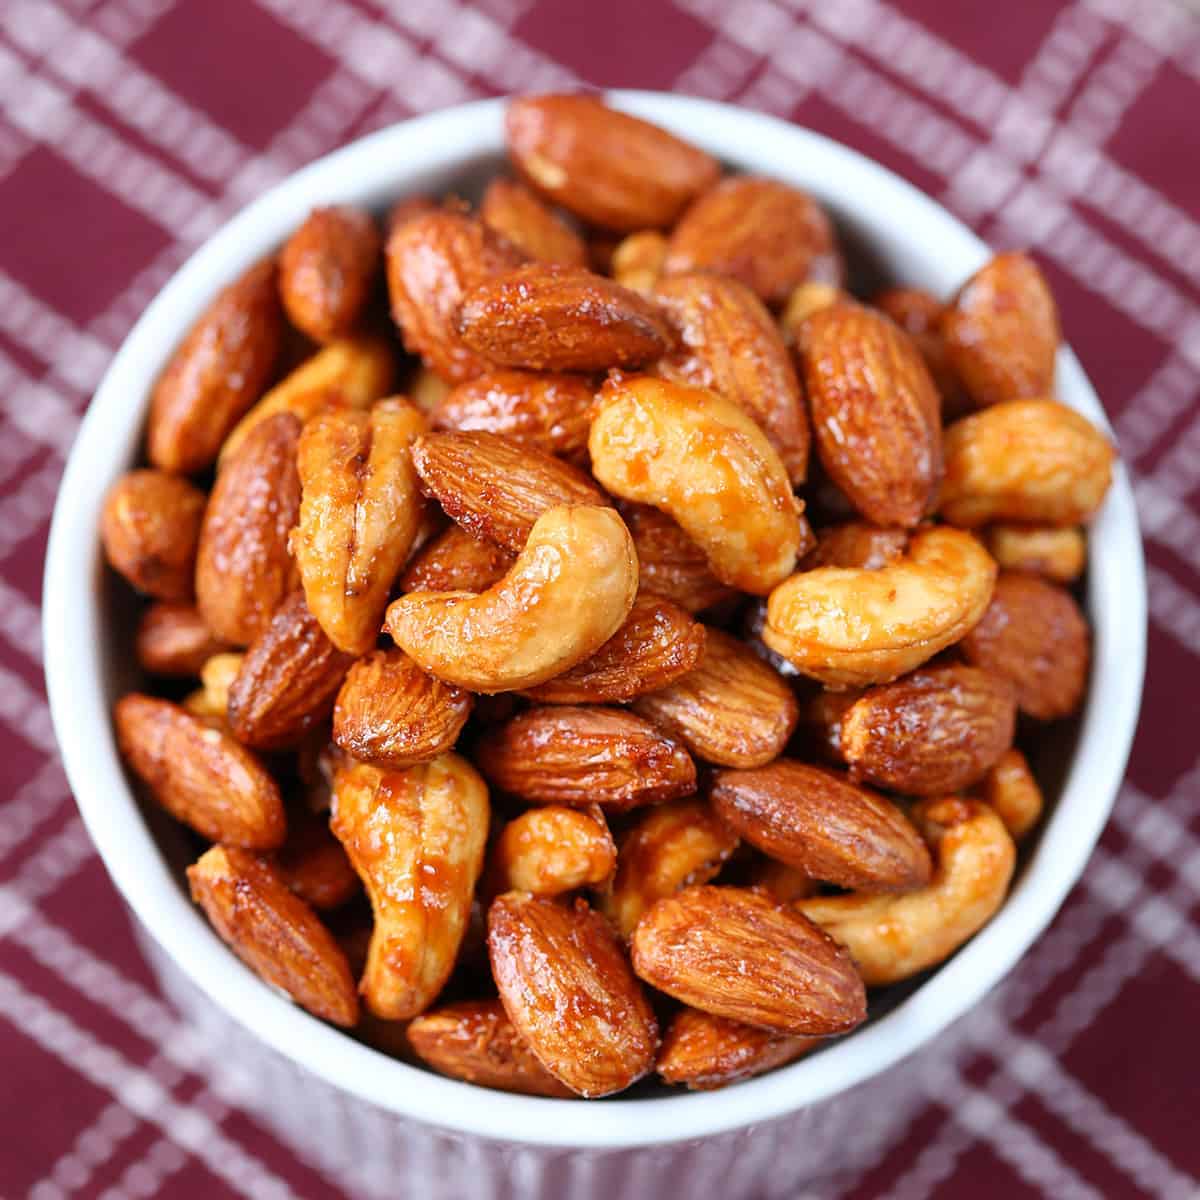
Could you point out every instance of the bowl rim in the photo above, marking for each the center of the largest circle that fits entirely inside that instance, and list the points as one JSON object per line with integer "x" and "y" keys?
{"x": 365, "y": 170}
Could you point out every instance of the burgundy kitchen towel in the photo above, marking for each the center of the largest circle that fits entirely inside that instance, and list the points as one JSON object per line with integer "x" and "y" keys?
{"x": 131, "y": 129}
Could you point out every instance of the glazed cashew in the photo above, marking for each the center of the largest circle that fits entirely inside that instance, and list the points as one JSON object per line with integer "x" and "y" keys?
{"x": 700, "y": 458}
{"x": 849, "y": 627}
{"x": 552, "y": 850}
{"x": 1011, "y": 789}
{"x": 893, "y": 937}
{"x": 211, "y": 699}
{"x": 565, "y": 596}
{"x": 1058, "y": 553}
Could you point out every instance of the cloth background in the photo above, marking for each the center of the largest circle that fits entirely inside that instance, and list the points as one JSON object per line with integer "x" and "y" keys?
{"x": 131, "y": 129}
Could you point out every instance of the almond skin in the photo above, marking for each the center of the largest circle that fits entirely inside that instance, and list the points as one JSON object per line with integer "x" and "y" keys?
{"x": 516, "y": 212}
{"x": 313, "y": 863}
{"x": 672, "y": 565}
{"x": 732, "y": 709}
{"x": 287, "y": 681}
{"x": 199, "y": 774}
{"x": 606, "y": 167}
{"x": 455, "y": 562}
{"x": 433, "y": 260}
{"x": 475, "y": 1041}
{"x": 389, "y": 712}
{"x": 150, "y": 526}
{"x": 243, "y": 567}
{"x": 222, "y": 367}
{"x": 737, "y": 954}
{"x": 875, "y": 412}
{"x": 817, "y": 820}
{"x": 495, "y": 488}
{"x": 857, "y": 544}
{"x": 919, "y": 313}
{"x": 274, "y": 932}
{"x": 326, "y": 270}
{"x": 657, "y": 644}
{"x": 580, "y": 756}
{"x": 767, "y": 235}
{"x": 931, "y": 733}
{"x": 730, "y": 344}
{"x": 172, "y": 640}
{"x": 567, "y": 987}
{"x": 550, "y": 318}
{"x": 1033, "y": 634}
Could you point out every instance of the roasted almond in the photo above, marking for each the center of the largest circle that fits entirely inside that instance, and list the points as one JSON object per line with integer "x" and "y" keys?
{"x": 550, "y": 318}
{"x": 551, "y": 850}
{"x": 199, "y": 774}
{"x": 567, "y": 987}
{"x": 875, "y": 412}
{"x": 172, "y": 640}
{"x": 150, "y": 525}
{"x": 389, "y": 712}
{"x": 737, "y": 954}
{"x": 454, "y": 561}
{"x": 671, "y": 564}
{"x": 857, "y": 544}
{"x": 475, "y": 1041}
{"x": 495, "y": 488}
{"x": 313, "y": 863}
{"x": 767, "y": 235}
{"x": 816, "y": 819}
{"x": 1033, "y": 634}
{"x": 607, "y": 167}
{"x": 216, "y": 374}
{"x": 287, "y": 681}
{"x": 657, "y": 644}
{"x": 729, "y": 343}
{"x": 516, "y": 212}
{"x": 919, "y": 313}
{"x": 243, "y": 566}
{"x": 732, "y": 709}
{"x": 579, "y": 756}
{"x": 274, "y": 932}
{"x": 931, "y": 733}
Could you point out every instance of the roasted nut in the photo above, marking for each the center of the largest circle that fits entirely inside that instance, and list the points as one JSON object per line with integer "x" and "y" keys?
{"x": 805, "y": 300}
{"x": 1059, "y": 554}
{"x": 657, "y": 644}
{"x": 671, "y": 565}
{"x": 511, "y": 209}
{"x": 359, "y": 514}
{"x": 547, "y": 411}
{"x": 580, "y": 756}
{"x": 1001, "y": 331}
{"x": 287, "y": 681}
{"x": 875, "y": 412}
{"x": 416, "y": 838}
{"x": 1025, "y": 460}
{"x": 1010, "y": 788}
{"x": 817, "y": 820}
{"x": 730, "y": 344}
{"x": 769, "y": 236}
{"x": 495, "y": 488}
{"x": 547, "y": 851}
{"x": 455, "y": 562}
{"x": 732, "y": 709}
{"x": 700, "y": 458}
{"x": 668, "y": 848}
{"x": 931, "y": 733}
{"x": 427, "y": 389}
{"x": 475, "y": 1041}
{"x": 150, "y": 525}
{"x": 326, "y": 270}
{"x": 704, "y": 1052}
{"x": 243, "y": 566}
{"x": 893, "y": 937}
{"x": 349, "y": 373}
{"x": 567, "y": 593}
{"x": 172, "y": 640}
{"x": 568, "y": 989}
{"x": 857, "y": 544}
{"x": 781, "y": 881}
{"x": 1034, "y": 634}
{"x": 199, "y": 774}
{"x": 216, "y": 374}
{"x": 608, "y": 168}
{"x": 821, "y": 718}
{"x": 637, "y": 262}
{"x": 737, "y": 954}
{"x": 274, "y": 932}
{"x": 216, "y": 676}
{"x": 550, "y": 318}
{"x": 390, "y": 713}
{"x": 313, "y": 863}
{"x": 849, "y": 627}
{"x": 405, "y": 209}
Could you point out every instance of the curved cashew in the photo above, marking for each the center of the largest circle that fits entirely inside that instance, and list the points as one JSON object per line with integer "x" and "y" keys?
{"x": 565, "y": 596}
{"x": 893, "y": 937}
{"x": 849, "y": 627}
{"x": 700, "y": 458}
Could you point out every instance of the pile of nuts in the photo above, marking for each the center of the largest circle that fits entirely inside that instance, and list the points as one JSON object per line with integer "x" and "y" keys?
{"x": 534, "y": 698}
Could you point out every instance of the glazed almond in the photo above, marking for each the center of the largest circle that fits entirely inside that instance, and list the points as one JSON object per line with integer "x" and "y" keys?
{"x": 172, "y": 640}
{"x": 672, "y": 565}
{"x": 514, "y": 211}
{"x": 454, "y": 561}
{"x": 704, "y": 1052}
{"x": 313, "y": 863}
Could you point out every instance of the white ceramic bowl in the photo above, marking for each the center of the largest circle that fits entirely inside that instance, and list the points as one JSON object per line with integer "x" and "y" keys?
{"x": 914, "y": 241}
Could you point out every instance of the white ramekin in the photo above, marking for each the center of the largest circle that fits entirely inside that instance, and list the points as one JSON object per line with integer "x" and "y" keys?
{"x": 912, "y": 240}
